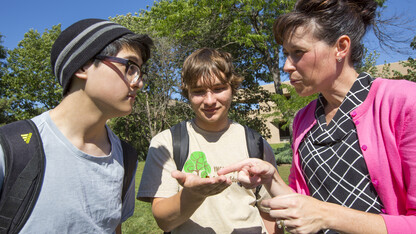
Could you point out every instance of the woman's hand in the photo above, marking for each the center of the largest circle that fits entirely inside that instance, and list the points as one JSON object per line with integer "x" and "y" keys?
{"x": 299, "y": 213}
{"x": 251, "y": 172}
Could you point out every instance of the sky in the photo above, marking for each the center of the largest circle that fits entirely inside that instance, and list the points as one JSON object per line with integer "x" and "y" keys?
{"x": 17, "y": 17}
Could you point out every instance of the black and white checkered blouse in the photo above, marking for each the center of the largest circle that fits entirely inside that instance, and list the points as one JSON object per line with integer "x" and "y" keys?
{"x": 331, "y": 159}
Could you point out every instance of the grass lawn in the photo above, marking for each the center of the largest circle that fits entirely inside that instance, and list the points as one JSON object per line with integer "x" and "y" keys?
{"x": 142, "y": 220}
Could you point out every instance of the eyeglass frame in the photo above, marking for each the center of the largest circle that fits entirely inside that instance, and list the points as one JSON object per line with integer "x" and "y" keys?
{"x": 141, "y": 76}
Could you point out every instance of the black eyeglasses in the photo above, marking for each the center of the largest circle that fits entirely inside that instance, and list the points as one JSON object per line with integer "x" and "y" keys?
{"x": 133, "y": 73}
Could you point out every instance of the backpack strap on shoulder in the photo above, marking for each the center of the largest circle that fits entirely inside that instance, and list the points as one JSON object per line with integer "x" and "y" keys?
{"x": 25, "y": 165}
{"x": 254, "y": 143}
{"x": 130, "y": 158}
{"x": 180, "y": 143}
{"x": 255, "y": 148}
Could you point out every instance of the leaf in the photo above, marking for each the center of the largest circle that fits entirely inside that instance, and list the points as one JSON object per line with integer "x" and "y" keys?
{"x": 198, "y": 163}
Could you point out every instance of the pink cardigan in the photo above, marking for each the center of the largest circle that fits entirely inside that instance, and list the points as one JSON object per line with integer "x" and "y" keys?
{"x": 386, "y": 128}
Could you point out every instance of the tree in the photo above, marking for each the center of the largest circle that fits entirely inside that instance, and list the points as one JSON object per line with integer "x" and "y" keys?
{"x": 3, "y": 51}
{"x": 368, "y": 63}
{"x": 28, "y": 83}
{"x": 159, "y": 107}
{"x": 286, "y": 106}
{"x": 240, "y": 27}
{"x": 4, "y": 117}
{"x": 410, "y": 64}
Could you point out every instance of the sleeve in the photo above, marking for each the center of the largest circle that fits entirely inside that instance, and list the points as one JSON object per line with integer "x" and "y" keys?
{"x": 127, "y": 209}
{"x": 406, "y": 223}
{"x": 156, "y": 179}
{"x": 269, "y": 157}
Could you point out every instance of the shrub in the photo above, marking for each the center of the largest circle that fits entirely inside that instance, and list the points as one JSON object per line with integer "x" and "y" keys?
{"x": 283, "y": 154}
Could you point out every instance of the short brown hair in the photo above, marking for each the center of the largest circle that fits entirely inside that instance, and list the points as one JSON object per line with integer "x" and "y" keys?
{"x": 205, "y": 63}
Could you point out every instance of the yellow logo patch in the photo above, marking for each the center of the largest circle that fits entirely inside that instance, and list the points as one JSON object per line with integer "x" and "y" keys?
{"x": 26, "y": 137}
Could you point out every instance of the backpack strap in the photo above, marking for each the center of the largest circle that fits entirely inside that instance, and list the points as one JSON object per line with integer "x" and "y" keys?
{"x": 180, "y": 142}
{"x": 255, "y": 148}
{"x": 25, "y": 163}
{"x": 130, "y": 158}
{"x": 254, "y": 143}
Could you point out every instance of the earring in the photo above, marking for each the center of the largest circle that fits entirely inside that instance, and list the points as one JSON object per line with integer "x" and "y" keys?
{"x": 339, "y": 60}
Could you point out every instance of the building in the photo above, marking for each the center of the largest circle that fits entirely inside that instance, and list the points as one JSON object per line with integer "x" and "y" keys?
{"x": 392, "y": 67}
{"x": 278, "y": 135}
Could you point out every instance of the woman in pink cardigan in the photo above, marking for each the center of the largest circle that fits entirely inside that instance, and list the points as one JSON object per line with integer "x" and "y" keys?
{"x": 354, "y": 161}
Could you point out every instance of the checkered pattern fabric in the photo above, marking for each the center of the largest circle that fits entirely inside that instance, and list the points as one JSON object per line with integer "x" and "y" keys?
{"x": 331, "y": 158}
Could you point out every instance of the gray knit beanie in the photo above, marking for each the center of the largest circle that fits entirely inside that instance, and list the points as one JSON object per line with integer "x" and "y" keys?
{"x": 79, "y": 43}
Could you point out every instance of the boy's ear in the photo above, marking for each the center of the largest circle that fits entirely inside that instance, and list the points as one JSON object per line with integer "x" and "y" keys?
{"x": 82, "y": 72}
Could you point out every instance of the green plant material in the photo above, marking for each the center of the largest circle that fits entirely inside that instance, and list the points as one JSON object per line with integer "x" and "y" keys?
{"x": 198, "y": 163}
{"x": 27, "y": 82}
{"x": 286, "y": 106}
{"x": 283, "y": 155}
{"x": 142, "y": 220}
{"x": 410, "y": 64}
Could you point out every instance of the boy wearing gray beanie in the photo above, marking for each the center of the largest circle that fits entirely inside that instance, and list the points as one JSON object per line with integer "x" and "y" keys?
{"x": 100, "y": 67}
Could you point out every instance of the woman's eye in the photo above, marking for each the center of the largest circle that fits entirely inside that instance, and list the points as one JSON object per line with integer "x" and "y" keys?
{"x": 299, "y": 52}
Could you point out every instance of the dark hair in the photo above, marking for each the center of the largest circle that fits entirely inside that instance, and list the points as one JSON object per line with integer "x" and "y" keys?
{"x": 139, "y": 43}
{"x": 205, "y": 63}
{"x": 329, "y": 19}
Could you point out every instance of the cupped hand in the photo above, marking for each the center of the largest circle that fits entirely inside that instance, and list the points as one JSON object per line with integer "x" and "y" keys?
{"x": 201, "y": 186}
{"x": 300, "y": 213}
{"x": 251, "y": 172}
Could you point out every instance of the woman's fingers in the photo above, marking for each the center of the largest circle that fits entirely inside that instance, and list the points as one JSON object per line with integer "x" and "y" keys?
{"x": 236, "y": 167}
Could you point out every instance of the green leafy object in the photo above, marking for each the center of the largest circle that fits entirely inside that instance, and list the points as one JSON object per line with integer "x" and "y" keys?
{"x": 198, "y": 163}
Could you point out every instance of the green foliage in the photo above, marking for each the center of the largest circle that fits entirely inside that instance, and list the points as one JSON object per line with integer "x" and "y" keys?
{"x": 287, "y": 105}
{"x": 246, "y": 111}
{"x": 240, "y": 27}
{"x": 28, "y": 84}
{"x": 142, "y": 220}
{"x": 4, "y": 117}
{"x": 283, "y": 154}
{"x": 198, "y": 163}
{"x": 368, "y": 63}
{"x": 158, "y": 107}
{"x": 3, "y": 51}
{"x": 410, "y": 64}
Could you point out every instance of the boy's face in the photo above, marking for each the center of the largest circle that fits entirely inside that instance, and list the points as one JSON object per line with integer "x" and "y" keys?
{"x": 211, "y": 104}
{"x": 108, "y": 87}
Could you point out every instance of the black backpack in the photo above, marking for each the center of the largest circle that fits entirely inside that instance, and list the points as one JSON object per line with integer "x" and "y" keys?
{"x": 24, "y": 169}
{"x": 180, "y": 142}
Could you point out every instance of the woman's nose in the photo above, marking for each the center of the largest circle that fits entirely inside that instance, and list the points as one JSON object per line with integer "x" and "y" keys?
{"x": 289, "y": 66}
